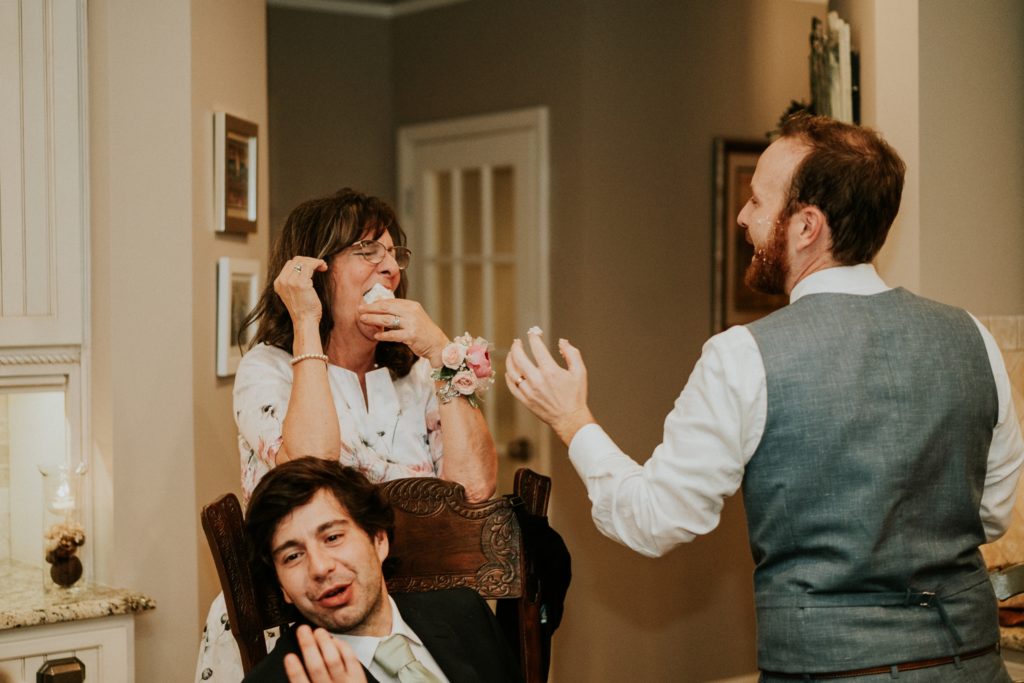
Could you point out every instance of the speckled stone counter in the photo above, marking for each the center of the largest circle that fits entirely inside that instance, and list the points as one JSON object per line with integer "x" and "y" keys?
{"x": 1012, "y": 637}
{"x": 23, "y": 602}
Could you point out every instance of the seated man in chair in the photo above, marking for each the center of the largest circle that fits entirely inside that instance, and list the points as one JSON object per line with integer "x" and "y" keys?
{"x": 323, "y": 530}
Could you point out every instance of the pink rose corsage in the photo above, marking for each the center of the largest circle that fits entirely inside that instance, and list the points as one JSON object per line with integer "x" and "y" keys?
{"x": 465, "y": 370}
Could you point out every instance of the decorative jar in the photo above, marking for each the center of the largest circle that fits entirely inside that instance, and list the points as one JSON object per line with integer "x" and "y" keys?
{"x": 63, "y": 533}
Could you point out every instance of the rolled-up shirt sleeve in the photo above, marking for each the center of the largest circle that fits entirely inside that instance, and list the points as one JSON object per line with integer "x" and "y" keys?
{"x": 1006, "y": 452}
{"x": 712, "y": 431}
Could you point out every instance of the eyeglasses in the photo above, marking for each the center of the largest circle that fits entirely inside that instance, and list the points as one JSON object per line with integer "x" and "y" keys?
{"x": 374, "y": 252}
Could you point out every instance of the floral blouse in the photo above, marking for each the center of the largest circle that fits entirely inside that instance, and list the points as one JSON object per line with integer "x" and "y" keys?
{"x": 394, "y": 433}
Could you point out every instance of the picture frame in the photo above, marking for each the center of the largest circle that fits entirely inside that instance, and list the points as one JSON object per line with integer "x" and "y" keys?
{"x": 238, "y": 290}
{"x": 732, "y": 302}
{"x": 235, "y": 166}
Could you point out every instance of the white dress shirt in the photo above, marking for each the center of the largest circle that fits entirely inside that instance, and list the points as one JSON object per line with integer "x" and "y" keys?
{"x": 366, "y": 646}
{"x": 715, "y": 427}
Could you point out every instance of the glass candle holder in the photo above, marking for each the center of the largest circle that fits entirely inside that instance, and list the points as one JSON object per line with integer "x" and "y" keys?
{"x": 63, "y": 533}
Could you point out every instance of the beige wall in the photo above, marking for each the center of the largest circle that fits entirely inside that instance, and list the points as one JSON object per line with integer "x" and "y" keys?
{"x": 141, "y": 195}
{"x": 330, "y": 99}
{"x": 163, "y": 434}
{"x": 972, "y": 154}
{"x": 229, "y": 73}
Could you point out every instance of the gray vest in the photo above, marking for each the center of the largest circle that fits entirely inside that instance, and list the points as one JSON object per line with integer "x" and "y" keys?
{"x": 862, "y": 498}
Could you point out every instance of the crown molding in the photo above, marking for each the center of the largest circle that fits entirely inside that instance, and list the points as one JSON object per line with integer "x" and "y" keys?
{"x": 40, "y": 356}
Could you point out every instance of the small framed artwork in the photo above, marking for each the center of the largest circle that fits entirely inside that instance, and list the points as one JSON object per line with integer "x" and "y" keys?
{"x": 238, "y": 289}
{"x": 732, "y": 302}
{"x": 234, "y": 173}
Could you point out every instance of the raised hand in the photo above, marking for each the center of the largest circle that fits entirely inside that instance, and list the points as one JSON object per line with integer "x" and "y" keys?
{"x": 556, "y": 395}
{"x": 325, "y": 659}
{"x": 405, "y": 321}
{"x": 294, "y": 284}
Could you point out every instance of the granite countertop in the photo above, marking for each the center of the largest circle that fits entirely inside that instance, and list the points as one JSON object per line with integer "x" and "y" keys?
{"x": 1012, "y": 637}
{"x": 23, "y": 602}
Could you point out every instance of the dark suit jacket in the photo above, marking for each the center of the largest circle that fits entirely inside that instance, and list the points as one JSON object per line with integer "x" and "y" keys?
{"x": 456, "y": 626}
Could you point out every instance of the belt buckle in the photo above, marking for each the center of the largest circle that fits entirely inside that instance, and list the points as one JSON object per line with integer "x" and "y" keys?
{"x": 928, "y": 597}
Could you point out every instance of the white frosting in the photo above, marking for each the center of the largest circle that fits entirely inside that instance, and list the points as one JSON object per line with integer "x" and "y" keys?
{"x": 378, "y": 291}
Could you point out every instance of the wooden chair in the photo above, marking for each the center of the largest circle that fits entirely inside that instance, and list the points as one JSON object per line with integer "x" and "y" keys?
{"x": 441, "y": 541}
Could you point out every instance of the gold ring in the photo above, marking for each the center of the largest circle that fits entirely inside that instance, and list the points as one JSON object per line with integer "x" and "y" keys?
{"x": 396, "y": 323}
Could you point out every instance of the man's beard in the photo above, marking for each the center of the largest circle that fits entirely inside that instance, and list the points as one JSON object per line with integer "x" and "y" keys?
{"x": 768, "y": 269}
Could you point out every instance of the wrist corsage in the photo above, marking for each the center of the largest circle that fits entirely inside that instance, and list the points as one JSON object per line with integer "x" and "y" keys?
{"x": 465, "y": 370}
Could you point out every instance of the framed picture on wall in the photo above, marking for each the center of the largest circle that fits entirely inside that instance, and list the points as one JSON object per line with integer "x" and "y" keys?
{"x": 732, "y": 302}
{"x": 234, "y": 173}
{"x": 238, "y": 289}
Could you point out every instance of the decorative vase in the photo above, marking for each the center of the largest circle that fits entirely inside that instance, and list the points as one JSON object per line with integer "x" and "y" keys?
{"x": 63, "y": 533}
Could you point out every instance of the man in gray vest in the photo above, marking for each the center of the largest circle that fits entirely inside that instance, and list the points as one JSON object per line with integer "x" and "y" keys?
{"x": 872, "y": 431}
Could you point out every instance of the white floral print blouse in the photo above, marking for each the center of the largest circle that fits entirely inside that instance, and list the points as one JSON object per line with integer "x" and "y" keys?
{"x": 395, "y": 433}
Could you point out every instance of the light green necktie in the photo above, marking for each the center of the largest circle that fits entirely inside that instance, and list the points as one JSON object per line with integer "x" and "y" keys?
{"x": 395, "y": 656}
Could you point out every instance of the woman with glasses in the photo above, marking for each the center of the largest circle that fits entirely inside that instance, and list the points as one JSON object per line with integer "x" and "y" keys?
{"x": 333, "y": 376}
{"x": 341, "y": 367}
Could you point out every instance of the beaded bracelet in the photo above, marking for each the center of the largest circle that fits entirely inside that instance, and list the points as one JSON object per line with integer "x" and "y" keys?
{"x": 465, "y": 370}
{"x": 309, "y": 356}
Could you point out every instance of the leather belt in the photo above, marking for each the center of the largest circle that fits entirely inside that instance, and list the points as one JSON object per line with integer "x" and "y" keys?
{"x": 904, "y": 666}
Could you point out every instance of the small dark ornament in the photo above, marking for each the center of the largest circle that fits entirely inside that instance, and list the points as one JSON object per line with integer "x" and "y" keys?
{"x": 63, "y": 541}
{"x": 65, "y": 571}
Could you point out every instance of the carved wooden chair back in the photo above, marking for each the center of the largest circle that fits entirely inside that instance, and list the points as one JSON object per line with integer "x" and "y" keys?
{"x": 521, "y": 618}
{"x": 253, "y": 605}
{"x": 441, "y": 541}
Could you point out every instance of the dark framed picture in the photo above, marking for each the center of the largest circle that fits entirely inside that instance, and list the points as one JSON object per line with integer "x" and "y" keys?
{"x": 732, "y": 302}
{"x": 234, "y": 172}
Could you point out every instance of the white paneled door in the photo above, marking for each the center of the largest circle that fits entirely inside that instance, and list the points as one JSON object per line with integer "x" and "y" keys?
{"x": 474, "y": 203}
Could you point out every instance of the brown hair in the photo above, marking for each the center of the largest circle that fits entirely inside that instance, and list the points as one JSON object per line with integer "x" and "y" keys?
{"x": 321, "y": 228}
{"x": 292, "y": 484}
{"x": 853, "y": 176}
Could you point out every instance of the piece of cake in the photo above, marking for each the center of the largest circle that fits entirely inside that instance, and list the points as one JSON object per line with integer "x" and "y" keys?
{"x": 377, "y": 292}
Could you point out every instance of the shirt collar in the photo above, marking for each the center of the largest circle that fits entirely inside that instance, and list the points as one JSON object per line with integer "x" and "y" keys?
{"x": 860, "y": 279}
{"x": 366, "y": 646}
